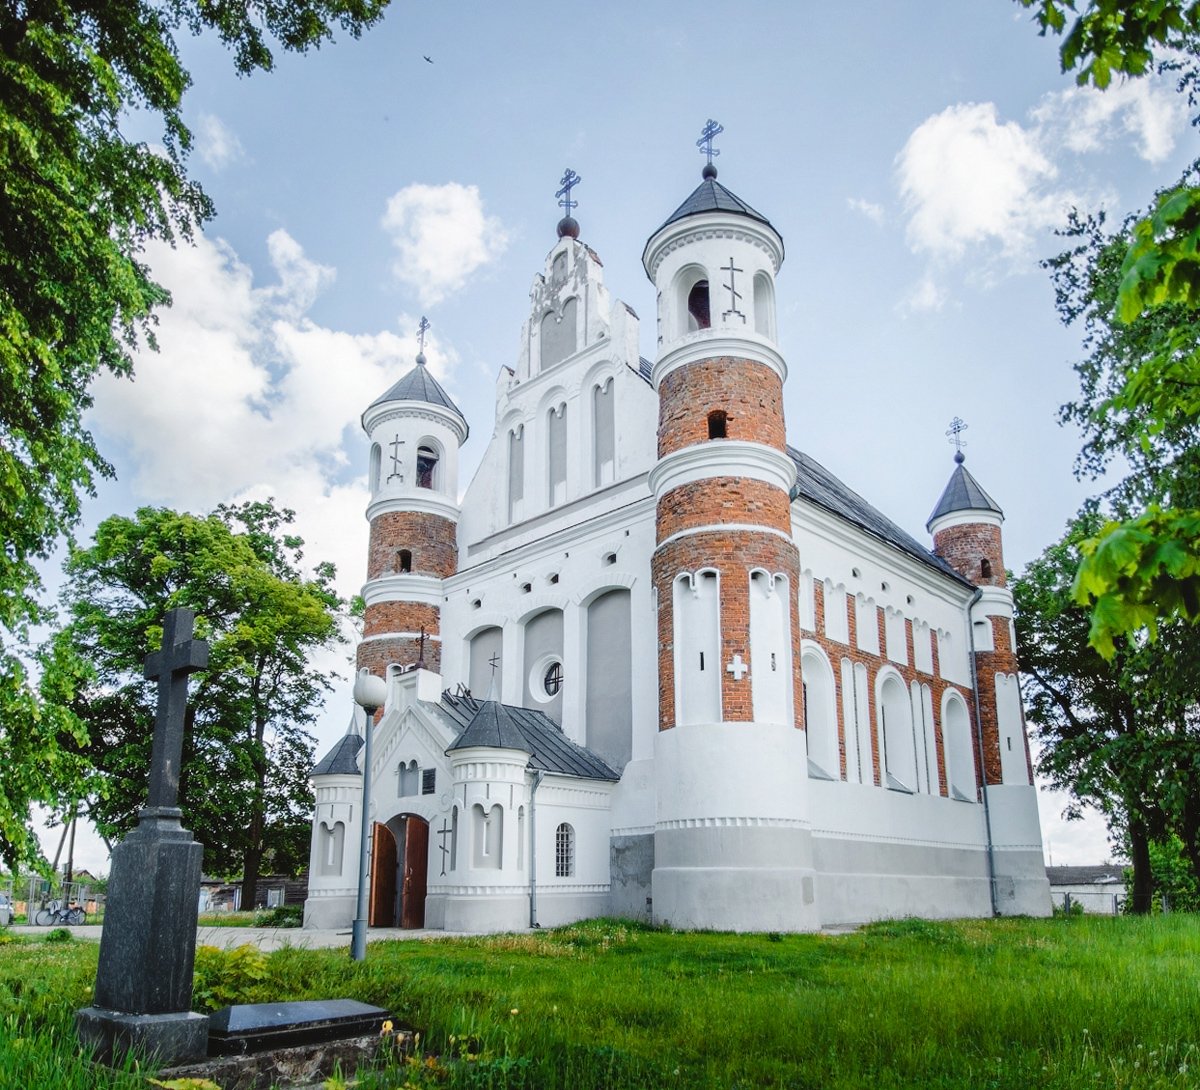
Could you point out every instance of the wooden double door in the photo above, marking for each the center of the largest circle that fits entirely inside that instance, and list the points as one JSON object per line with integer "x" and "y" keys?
{"x": 399, "y": 864}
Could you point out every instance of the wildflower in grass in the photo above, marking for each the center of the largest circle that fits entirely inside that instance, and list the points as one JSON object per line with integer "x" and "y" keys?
{"x": 386, "y": 1028}
{"x": 514, "y": 1011}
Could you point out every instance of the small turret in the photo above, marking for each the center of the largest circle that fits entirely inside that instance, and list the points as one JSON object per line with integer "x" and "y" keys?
{"x": 415, "y": 431}
{"x": 965, "y": 526}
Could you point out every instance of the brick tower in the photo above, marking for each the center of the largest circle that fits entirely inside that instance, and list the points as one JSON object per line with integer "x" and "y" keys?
{"x": 732, "y": 841}
{"x": 965, "y": 526}
{"x": 415, "y": 432}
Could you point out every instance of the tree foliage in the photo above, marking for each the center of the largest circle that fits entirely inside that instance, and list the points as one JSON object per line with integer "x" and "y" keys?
{"x": 1145, "y": 565}
{"x": 1118, "y": 733}
{"x": 78, "y": 202}
{"x": 247, "y": 753}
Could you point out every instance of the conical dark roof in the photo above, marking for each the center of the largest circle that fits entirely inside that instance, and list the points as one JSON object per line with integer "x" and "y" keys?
{"x": 963, "y": 493}
{"x": 491, "y": 726}
{"x": 711, "y": 196}
{"x": 495, "y": 725}
{"x": 342, "y": 760}
{"x": 420, "y": 385}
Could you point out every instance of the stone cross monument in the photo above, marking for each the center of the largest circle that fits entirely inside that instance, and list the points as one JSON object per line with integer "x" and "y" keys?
{"x": 143, "y": 990}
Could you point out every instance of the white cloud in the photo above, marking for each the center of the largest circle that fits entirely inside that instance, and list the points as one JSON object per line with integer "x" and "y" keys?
{"x": 442, "y": 236}
{"x": 925, "y": 296}
{"x": 248, "y": 397}
{"x": 1084, "y": 120}
{"x": 967, "y": 179}
{"x": 216, "y": 143}
{"x": 873, "y": 211}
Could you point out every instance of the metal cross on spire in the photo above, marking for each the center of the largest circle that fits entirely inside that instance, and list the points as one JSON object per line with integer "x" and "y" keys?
{"x": 422, "y": 329}
{"x": 712, "y": 130}
{"x": 568, "y": 182}
{"x": 954, "y": 433}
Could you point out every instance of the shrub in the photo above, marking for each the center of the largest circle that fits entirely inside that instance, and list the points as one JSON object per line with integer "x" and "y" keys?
{"x": 225, "y": 977}
{"x": 280, "y": 916}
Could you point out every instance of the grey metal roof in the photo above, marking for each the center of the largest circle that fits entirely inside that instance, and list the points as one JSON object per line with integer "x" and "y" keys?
{"x": 420, "y": 385}
{"x": 815, "y": 483}
{"x": 342, "y": 759}
{"x": 489, "y": 723}
{"x": 711, "y": 196}
{"x": 963, "y": 493}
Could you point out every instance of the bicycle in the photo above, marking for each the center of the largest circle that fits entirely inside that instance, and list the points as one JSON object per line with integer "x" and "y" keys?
{"x": 57, "y": 913}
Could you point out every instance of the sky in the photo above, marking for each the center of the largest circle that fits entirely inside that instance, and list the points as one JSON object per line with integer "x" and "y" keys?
{"x": 915, "y": 155}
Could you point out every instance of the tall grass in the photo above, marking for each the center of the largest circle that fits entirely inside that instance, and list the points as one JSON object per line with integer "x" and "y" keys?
{"x": 1068, "y": 1003}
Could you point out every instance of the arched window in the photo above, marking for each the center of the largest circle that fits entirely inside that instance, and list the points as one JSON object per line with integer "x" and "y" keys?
{"x": 985, "y": 569}
{"x": 488, "y": 835}
{"x": 609, "y": 678}
{"x": 896, "y": 730}
{"x": 960, "y": 756}
{"x": 770, "y": 648}
{"x": 427, "y": 465}
{"x": 699, "y": 315}
{"x": 556, "y": 454}
{"x": 697, "y": 607}
{"x": 764, "y": 305}
{"x": 520, "y": 838}
{"x": 331, "y": 843}
{"x": 558, "y": 334}
{"x": 376, "y": 460}
{"x": 564, "y": 851}
{"x": 454, "y": 839}
{"x": 408, "y": 779}
{"x": 820, "y": 714}
{"x": 516, "y": 473}
{"x": 403, "y": 560}
{"x": 604, "y": 462}
{"x": 717, "y": 420}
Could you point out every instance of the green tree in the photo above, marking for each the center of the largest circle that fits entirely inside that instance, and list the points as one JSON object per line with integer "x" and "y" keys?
{"x": 1116, "y": 733}
{"x": 247, "y": 753}
{"x": 78, "y": 201}
{"x": 1146, "y": 565}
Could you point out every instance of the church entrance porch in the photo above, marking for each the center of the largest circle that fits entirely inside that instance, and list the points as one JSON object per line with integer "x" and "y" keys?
{"x": 399, "y": 864}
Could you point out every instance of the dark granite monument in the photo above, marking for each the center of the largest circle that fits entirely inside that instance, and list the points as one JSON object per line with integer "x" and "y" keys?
{"x": 143, "y": 990}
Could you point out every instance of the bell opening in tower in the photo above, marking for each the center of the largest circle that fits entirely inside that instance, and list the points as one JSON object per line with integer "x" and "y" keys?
{"x": 697, "y": 304}
{"x": 427, "y": 461}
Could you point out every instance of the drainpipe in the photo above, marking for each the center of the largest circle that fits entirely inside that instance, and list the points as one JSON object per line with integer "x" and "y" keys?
{"x": 537, "y": 782}
{"x": 987, "y": 813}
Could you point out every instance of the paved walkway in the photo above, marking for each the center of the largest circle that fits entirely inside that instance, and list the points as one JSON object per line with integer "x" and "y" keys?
{"x": 265, "y": 938}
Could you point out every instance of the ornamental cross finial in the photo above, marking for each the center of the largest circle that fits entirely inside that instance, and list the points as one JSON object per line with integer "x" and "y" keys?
{"x": 711, "y": 131}
{"x": 954, "y": 433}
{"x": 422, "y": 329}
{"x": 493, "y": 662}
{"x": 568, "y": 182}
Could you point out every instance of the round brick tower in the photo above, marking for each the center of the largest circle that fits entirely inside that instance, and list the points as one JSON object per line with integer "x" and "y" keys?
{"x": 965, "y": 526}
{"x": 733, "y": 846}
{"x": 415, "y": 432}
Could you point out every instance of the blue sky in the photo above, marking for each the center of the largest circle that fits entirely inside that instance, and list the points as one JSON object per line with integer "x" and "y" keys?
{"x": 915, "y": 156}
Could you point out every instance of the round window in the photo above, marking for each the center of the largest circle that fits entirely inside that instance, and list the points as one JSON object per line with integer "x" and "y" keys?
{"x": 553, "y": 678}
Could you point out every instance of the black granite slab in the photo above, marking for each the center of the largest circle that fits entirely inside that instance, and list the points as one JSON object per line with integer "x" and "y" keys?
{"x": 256, "y": 1027}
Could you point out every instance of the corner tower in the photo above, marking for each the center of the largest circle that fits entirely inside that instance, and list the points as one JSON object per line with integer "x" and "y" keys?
{"x": 732, "y": 843}
{"x": 965, "y": 525}
{"x": 415, "y": 432}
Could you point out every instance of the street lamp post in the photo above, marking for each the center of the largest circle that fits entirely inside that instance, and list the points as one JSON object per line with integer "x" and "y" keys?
{"x": 370, "y": 694}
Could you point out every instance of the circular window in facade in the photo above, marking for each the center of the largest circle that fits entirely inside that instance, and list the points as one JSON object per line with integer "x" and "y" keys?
{"x": 546, "y": 678}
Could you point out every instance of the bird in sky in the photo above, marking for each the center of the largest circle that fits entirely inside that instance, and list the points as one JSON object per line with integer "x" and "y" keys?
{"x": 429, "y": 59}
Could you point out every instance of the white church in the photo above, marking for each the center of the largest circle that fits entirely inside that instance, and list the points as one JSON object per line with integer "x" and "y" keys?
{"x": 657, "y": 663}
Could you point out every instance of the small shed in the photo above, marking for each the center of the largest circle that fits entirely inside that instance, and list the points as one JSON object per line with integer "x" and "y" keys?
{"x": 1099, "y": 889}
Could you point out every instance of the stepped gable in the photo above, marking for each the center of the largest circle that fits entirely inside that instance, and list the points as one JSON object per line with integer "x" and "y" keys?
{"x": 503, "y": 726}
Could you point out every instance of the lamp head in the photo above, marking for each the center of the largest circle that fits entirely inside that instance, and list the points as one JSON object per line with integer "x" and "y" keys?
{"x": 370, "y": 692}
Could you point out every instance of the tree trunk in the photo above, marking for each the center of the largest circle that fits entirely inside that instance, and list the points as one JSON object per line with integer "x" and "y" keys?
{"x": 251, "y": 865}
{"x": 1143, "y": 879}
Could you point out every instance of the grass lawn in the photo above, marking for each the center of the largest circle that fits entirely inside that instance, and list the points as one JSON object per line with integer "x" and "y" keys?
{"x": 1070, "y": 1003}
